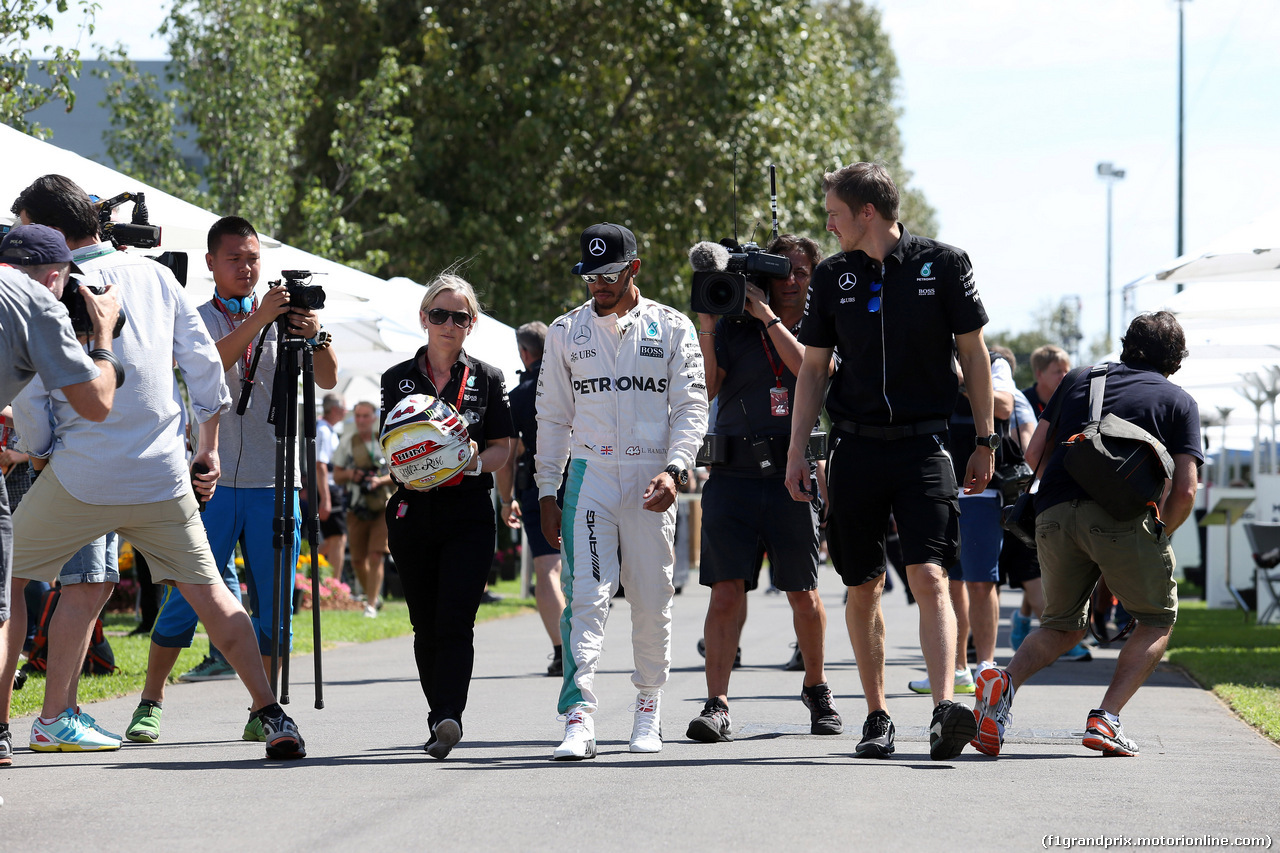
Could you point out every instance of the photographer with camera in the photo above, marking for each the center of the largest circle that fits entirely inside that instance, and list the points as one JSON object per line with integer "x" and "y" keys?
{"x": 243, "y": 508}
{"x": 130, "y": 475}
{"x": 751, "y": 362}
{"x": 36, "y": 340}
{"x": 1080, "y": 541}
{"x": 622, "y": 392}
{"x": 896, "y": 306}
{"x": 360, "y": 464}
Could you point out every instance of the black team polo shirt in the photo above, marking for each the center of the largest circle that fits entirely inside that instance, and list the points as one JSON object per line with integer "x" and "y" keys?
{"x": 896, "y": 363}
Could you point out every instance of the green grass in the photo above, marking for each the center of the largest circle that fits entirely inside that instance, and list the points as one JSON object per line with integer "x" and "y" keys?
{"x": 1238, "y": 661}
{"x": 337, "y": 627}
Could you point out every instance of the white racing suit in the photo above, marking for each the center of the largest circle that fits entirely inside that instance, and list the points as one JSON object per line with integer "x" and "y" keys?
{"x": 624, "y": 398}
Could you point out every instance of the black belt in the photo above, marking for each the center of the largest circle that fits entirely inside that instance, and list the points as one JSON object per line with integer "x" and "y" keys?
{"x": 891, "y": 433}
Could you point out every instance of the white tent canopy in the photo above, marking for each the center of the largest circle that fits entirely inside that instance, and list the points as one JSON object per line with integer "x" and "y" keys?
{"x": 374, "y": 323}
{"x": 1229, "y": 309}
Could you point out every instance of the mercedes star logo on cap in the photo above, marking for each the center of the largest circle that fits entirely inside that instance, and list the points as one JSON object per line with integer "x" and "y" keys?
{"x": 596, "y": 247}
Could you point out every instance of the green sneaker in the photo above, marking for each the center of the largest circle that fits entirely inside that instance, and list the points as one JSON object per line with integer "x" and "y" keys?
{"x": 145, "y": 725}
{"x": 253, "y": 730}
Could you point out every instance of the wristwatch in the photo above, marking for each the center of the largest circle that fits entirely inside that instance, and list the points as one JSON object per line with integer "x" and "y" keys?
{"x": 680, "y": 475}
{"x": 989, "y": 441}
{"x": 320, "y": 341}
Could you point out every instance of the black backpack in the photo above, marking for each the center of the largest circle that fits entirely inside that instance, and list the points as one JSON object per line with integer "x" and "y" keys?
{"x": 1120, "y": 465}
{"x": 99, "y": 660}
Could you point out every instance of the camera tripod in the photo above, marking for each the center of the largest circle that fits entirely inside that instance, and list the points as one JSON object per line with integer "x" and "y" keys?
{"x": 293, "y": 359}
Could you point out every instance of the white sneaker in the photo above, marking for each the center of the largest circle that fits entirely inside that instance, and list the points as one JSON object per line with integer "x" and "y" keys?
{"x": 579, "y": 736}
{"x": 986, "y": 664}
{"x": 646, "y": 732}
{"x": 963, "y": 683}
{"x": 370, "y": 612}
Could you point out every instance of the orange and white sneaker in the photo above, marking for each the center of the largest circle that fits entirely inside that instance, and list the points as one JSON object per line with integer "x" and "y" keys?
{"x": 1107, "y": 738}
{"x": 993, "y": 711}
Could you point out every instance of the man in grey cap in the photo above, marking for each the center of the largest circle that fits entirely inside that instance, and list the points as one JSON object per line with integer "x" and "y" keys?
{"x": 36, "y": 338}
{"x": 621, "y": 395}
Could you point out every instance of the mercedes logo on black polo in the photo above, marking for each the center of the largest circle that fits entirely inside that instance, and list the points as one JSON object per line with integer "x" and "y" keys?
{"x": 596, "y": 246}
{"x": 406, "y": 385}
{"x": 847, "y": 281}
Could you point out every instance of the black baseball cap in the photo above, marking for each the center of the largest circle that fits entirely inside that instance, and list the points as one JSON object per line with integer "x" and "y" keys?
{"x": 606, "y": 248}
{"x": 35, "y": 245}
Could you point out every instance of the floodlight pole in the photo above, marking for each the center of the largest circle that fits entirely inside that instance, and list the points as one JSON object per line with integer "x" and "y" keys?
{"x": 1181, "y": 119}
{"x": 1109, "y": 173}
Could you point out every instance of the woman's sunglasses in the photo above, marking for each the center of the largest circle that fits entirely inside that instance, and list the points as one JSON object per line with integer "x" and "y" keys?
{"x": 438, "y": 316}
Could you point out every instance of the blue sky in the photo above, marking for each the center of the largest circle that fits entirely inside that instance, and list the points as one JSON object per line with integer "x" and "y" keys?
{"x": 1008, "y": 106}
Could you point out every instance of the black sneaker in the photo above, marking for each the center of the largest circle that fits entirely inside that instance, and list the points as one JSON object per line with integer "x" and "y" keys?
{"x": 444, "y": 737}
{"x": 281, "y": 733}
{"x": 953, "y": 726}
{"x": 796, "y": 664}
{"x": 555, "y": 669}
{"x": 712, "y": 725}
{"x": 877, "y": 737}
{"x": 823, "y": 719}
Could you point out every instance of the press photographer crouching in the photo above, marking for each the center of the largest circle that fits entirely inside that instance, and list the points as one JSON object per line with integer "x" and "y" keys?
{"x": 129, "y": 474}
{"x": 36, "y": 339}
{"x": 1081, "y": 534}
{"x": 751, "y": 363}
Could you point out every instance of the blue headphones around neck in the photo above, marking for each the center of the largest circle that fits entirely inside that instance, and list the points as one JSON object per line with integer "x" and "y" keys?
{"x": 242, "y": 305}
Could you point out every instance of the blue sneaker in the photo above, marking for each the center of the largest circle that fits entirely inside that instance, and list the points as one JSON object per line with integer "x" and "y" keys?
{"x": 68, "y": 733}
{"x": 1078, "y": 653}
{"x": 1019, "y": 628}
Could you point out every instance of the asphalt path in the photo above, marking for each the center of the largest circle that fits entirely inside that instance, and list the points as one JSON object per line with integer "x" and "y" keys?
{"x": 367, "y": 785}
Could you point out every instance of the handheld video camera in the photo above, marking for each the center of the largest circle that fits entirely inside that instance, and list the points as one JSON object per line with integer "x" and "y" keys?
{"x": 79, "y": 311}
{"x": 721, "y": 272}
{"x": 139, "y": 234}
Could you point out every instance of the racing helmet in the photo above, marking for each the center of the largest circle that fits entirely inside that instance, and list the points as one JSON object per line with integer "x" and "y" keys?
{"x": 426, "y": 442}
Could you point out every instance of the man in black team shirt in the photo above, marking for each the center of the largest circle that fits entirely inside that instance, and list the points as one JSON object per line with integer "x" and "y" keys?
{"x": 897, "y": 306}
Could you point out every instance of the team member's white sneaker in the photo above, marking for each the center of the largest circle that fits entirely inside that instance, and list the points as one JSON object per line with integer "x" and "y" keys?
{"x": 646, "y": 731}
{"x": 579, "y": 736}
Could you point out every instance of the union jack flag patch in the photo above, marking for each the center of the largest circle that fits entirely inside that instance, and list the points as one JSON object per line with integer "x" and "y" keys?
{"x": 606, "y": 450}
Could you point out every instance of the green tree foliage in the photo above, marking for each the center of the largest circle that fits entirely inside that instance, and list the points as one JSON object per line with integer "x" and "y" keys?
{"x": 406, "y": 138}
{"x": 22, "y": 23}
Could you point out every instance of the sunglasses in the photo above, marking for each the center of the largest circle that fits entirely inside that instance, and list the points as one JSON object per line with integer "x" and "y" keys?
{"x": 610, "y": 277}
{"x": 438, "y": 316}
{"x": 873, "y": 304}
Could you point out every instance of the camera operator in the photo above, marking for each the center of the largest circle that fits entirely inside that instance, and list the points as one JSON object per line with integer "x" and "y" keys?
{"x": 622, "y": 391}
{"x": 243, "y": 509}
{"x": 1078, "y": 541}
{"x": 895, "y": 305}
{"x": 751, "y": 367}
{"x": 129, "y": 474}
{"x": 360, "y": 462}
{"x": 36, "y": 339}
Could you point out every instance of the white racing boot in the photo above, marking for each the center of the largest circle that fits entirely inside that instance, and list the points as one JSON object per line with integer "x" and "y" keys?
{"x": 646, "y": 732}
{"x": 579, "y": 736}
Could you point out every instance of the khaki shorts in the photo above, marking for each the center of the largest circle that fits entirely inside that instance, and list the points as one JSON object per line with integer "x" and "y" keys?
{"x": 1078, "y": 540}
{"x": 50, "y": 526}
{"x": 366, "y": 537}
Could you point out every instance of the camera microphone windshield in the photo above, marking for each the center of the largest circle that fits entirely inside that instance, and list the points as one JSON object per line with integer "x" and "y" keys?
{"x": 707, "y": 256}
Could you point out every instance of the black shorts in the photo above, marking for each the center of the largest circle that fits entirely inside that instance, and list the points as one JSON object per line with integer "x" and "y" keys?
{"x": 336, "y": 523}
{"x": 1018, "y": 563}
{"x": 869, "y": 478}
{"x": 531, "y": 518}
{"x": 744, "y": 517}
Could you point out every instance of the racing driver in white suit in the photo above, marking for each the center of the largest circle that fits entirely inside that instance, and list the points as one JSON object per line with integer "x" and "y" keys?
{"x": 623, "y": 399}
